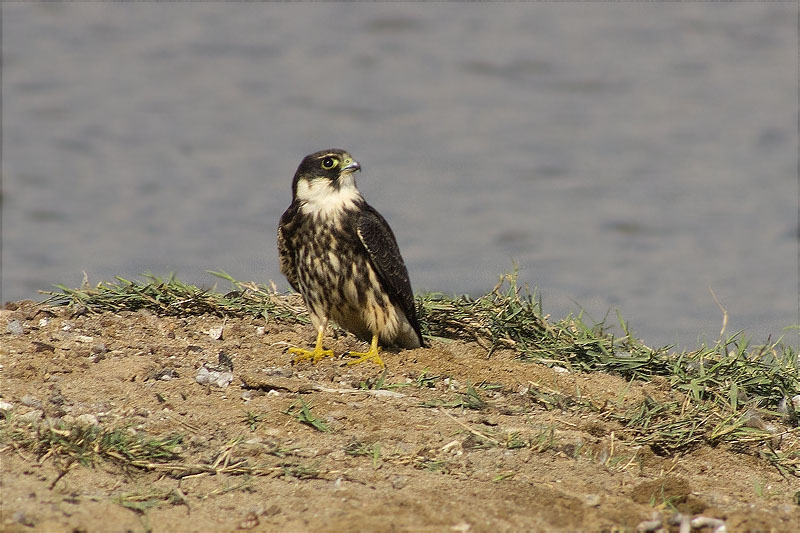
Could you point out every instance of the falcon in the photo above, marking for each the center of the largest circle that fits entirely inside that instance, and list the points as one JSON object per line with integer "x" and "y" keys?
{"x": 340, "y": 254}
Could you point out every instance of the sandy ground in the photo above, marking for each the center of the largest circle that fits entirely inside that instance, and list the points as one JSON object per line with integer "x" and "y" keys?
{"x": 423, "y": 455}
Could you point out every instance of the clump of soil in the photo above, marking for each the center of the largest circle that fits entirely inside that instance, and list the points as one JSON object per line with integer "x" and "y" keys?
{"x": 106, "y": 427}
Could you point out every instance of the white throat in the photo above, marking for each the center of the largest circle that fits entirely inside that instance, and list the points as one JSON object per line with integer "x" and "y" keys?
{"x": 319, "y": 198}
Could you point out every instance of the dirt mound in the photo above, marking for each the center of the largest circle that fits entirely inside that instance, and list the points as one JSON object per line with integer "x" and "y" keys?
{"x": 107, "y": 428}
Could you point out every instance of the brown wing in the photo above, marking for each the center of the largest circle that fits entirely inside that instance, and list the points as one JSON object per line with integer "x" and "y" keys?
{"x": 284, "y": 253}
{"x": 379, "y": 241}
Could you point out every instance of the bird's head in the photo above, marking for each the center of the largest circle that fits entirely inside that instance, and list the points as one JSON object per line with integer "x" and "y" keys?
{"x": 325, "y": 181}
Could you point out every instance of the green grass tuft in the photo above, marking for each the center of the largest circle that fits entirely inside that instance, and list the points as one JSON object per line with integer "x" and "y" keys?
{"x": 86, "y": 443}
{"x": 302, "y": 412}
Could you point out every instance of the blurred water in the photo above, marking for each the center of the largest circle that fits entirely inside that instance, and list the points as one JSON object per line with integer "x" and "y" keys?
{"x": 625, "y": 155}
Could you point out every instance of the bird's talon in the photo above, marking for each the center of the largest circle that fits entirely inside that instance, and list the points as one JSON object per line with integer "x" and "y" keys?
{"x": 363, "y": 357}
{"x": 315, "y": 355}
{"x": 371, "y": 355}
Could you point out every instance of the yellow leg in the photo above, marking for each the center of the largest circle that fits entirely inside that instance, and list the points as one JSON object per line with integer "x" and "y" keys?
{"x": 316, "y": 354}
{"x": 371, "y": 355}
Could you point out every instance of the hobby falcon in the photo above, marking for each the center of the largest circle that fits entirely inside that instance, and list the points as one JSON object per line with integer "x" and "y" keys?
{"x": 340, "y": 254}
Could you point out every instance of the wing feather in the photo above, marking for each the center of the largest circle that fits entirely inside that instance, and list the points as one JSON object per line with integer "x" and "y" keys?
{"x": 284, "y": 254}
{"x": 381, "y": 245}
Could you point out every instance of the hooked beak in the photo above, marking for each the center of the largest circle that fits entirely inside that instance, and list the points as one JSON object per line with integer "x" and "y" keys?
{"x": 351, "y": 165}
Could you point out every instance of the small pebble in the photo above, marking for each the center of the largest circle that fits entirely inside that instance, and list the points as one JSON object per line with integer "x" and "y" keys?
{"x": 5, "y": 406}
{"x": 30, "y": 417}
{"x": 649, "y": 525}
{"x": 87, "y": 420}
{"x": 685, "y": 523}
{"x": 215, "y": 333}
{"x": 30, "y": 401}
{"x": 166, "y": 374}
{"x": 212, "y": 377}
{"x": 451, "y": 383}
{"x": 15, "y": 327}
{"x": 715, "y": 523}
{"x": 99, "y": 348}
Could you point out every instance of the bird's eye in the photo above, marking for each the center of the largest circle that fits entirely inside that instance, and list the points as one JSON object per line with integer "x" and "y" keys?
{"x": 329, "y": 162}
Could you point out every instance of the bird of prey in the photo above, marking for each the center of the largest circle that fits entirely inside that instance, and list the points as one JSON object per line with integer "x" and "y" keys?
{"x": 340, "y": 254}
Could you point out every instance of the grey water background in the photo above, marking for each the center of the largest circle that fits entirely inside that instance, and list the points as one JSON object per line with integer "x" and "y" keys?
{"x": 625, "y": 155}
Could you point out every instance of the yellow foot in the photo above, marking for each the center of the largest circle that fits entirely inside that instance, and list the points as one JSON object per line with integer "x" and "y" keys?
{"x": 315, "y": 355}
{"x": 371, "y": 355}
